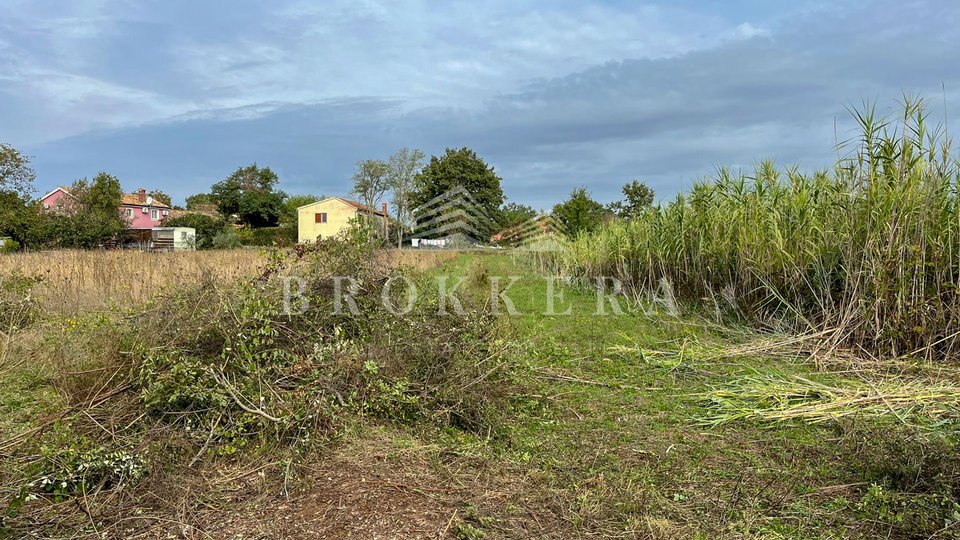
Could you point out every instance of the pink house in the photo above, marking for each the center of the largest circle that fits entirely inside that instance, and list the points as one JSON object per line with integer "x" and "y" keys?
{"x": 140, "y": 210}
{"x": 59, "y": 200}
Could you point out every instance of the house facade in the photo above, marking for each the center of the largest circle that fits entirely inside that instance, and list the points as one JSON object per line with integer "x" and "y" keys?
{"x": 140, "y": 210}
{"x": 331, "y": 215}
{"x": 59, "y": 200}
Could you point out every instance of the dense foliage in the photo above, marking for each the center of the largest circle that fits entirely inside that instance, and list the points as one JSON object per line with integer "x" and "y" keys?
{"x": 251, "y": 194}
{"x": 580, "y": 213}
{"x": 464, "y": 168}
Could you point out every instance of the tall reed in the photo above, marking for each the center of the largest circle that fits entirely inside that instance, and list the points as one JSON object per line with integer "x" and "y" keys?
{"x": 869, "y": 248}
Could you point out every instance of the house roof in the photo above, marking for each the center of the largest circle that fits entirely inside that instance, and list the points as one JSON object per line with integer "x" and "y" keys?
{"x": 355, "y": 204}
{"x": 133, "y": 199}
{"x": 64, "y": 189}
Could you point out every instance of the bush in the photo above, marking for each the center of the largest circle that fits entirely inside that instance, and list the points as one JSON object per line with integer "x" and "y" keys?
{"x": 235, "y": 365}
{"x": 10, "y": 246}
{"x": 207, "y": 227}
{"x": 282, "y": 236}
{"x": 226, "y": 239}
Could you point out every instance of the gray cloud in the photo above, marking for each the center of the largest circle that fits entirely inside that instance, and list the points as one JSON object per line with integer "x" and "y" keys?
{"x": 554, "y": 99}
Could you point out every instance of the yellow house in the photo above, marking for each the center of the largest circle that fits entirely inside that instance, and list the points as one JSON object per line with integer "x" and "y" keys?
{"x": 331, "y": 215}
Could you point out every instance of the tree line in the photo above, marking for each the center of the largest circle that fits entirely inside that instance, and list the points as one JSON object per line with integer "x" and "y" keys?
{"x": 248, "y": 205}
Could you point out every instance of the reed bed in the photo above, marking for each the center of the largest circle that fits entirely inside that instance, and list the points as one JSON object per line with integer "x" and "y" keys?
{"x": 869, "y": 250}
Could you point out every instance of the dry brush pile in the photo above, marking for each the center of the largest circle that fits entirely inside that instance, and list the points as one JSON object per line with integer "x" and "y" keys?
{"x": 217, "y": 374}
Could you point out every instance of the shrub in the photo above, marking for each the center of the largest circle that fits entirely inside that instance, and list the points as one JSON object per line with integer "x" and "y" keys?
{"x": 226, "y": 239}
{"x": 10, "y": 246}
{"x": 233, "y": 365}
{"x": 207, "y": 227}
{"x": 282, "y": 236}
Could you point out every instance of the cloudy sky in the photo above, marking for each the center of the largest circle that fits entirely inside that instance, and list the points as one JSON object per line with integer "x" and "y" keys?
{"x": 174, "y": 94}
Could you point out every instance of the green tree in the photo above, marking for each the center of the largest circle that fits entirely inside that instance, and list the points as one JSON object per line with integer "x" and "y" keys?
{"x": 250, "y": 193}
{"x": 513, "y": 214}
{"x": 16, "y": 175}
{"x": 96, "y": 215}
{"x": 638, "y": 197}
{"x": 290, "y": 206}
{"x": 403, "y": 168}
{"x": 371, "y": 181}
{"x": 160, "y": 196}
{"x": 207, "y": 227}
{"x": 18, "y": 217}
{"x": 579, "y": 213}
{"x": 460, "y": 168}
{"x": 200, "y": 201}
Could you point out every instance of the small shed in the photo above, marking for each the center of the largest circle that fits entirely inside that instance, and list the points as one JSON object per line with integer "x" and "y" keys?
{"x": 173, "y": 238}
{"x": 161, "y": 239}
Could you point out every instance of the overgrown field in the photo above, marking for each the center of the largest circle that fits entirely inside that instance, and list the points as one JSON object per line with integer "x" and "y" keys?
{"x": 209, "y": 412}
{"x": 77, "y": 280}
{"x": 867, "y": 253}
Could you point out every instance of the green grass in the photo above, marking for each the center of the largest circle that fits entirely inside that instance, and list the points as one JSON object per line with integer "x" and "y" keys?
{"x": 617, "y": 439}
{"x": 611, "y": 436}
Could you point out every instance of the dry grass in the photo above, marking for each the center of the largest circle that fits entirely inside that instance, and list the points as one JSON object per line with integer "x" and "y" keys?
{"x": 76, "y": 280}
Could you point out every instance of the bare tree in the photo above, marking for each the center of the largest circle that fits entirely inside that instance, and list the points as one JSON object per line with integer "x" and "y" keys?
{"x": 403, "y": 168}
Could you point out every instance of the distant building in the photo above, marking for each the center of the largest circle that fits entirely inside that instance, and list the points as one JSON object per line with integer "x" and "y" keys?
{"x": 331, "y": 215}
{"x": 143, "y": 214}
{"x": 162, "y": 239}
{"x": 59, "y": 201}
{"x": 140, "y": 210}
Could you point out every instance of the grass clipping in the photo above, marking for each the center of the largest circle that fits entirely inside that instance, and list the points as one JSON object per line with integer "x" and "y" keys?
{"x": 779, "y": 398}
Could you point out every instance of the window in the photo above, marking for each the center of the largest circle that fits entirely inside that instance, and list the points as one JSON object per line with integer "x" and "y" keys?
{"x": 320, "y": 217}
{"x": 154, "y": 214}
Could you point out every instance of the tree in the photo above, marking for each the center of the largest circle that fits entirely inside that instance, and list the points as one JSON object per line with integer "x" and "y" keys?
{"x": 207, "y": 227}
{"x": 16, "y": 175}
{"x": 403, "y": 168}
{"x": 513, "y": 214}
{"x": 639, "y": 197}
{"x": 460, "y": 168}
{"x": 160, "y": 196}
{"x": 96, "y": 217}
{"x": 290, "y": 206}
{"x": 250, "y": 193}
{"x": 580, "y": 213}
{"x": 18, "y": 217}
{"x": 371, "y": 181}
{"x": 200, "y": 201}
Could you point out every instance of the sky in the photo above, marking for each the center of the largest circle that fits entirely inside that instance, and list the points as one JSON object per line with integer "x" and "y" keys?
{"x": 555, "y": 94}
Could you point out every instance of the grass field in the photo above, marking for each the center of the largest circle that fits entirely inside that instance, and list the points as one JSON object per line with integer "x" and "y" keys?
{"x": 637, "y": 425}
